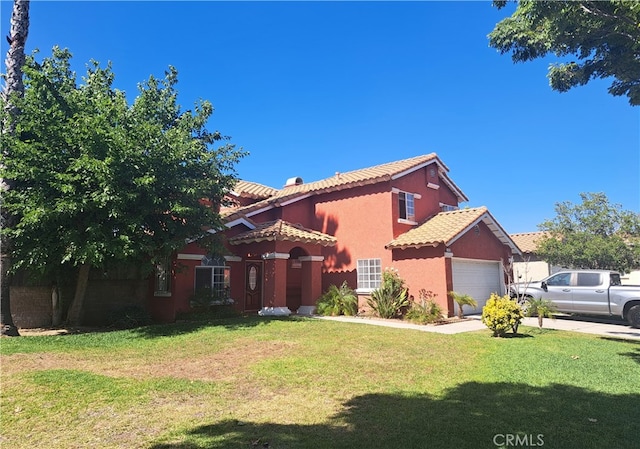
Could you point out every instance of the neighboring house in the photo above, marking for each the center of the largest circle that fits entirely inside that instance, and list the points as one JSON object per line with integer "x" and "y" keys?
{"x": 285, "y": 247}
{"x": 530, "y": 267}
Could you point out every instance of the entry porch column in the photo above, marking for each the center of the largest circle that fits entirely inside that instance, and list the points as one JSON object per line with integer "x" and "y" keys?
{"x": 275, "y": 285}
{"x": 311, "y": 283}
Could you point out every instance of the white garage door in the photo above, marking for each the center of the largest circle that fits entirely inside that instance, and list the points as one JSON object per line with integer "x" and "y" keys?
{"x": 478, "y": 279}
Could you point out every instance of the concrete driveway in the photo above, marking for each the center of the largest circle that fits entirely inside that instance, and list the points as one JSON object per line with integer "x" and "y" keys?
{"x": 606, "y": 327}
{"x": 589, "y": 325}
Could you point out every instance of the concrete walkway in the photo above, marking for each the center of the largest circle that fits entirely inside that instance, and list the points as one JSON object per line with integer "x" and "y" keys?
{"x": 603, "y": 327}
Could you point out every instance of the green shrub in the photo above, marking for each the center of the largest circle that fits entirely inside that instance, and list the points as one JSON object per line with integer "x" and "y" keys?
{"x": 205, "y": 297}
{"x": 129, "y": 317}
{"x": 463, "y": 300}
{"x": 502, "y": 314}
{"x": 391, "y": 299}
{"x": 338, "y": 301}
{"x": 425, "y": 310}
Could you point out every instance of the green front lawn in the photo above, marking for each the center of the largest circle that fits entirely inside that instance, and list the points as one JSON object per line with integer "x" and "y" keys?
{"x": 304, "y": 383}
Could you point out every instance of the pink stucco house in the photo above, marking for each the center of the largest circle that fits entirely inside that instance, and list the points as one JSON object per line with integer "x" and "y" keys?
{"x": 284, "y": 247}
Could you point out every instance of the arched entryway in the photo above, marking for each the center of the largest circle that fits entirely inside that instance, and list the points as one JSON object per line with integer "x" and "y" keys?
{"x": 295, "y": 278}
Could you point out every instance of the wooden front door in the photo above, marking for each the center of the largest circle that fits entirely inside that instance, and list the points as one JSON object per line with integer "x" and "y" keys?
{"x": 253, "y": 286}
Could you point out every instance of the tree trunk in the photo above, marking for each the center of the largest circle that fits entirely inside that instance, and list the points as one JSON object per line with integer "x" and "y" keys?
{"x": 74, "y": 317}
{"x": 13, "y": 85}
{"x": 56, "y": 306}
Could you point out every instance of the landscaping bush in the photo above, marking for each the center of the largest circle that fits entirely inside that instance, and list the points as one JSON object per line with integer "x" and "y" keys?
{"x": 338, "y": 301}
{"x": 129, "y": 317}
{"x": 502, "y": 314}
{"x": 204, "y": 297}
{"x": 391, "y": 299}
{"x": 425, "y": 310}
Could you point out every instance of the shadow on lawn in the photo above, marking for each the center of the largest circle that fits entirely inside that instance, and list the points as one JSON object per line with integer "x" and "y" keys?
{"x": 633, "y": 345}
{"x": 195, "y": 325}
{"x": 471, "y": 415}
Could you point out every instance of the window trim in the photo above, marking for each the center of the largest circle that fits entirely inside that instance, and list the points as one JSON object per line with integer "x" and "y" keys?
{"x": 226, "y": 280}
{"x": 406, "y": 202}
{"x": 444, "y": 207}
{"x": 368, "y": 285}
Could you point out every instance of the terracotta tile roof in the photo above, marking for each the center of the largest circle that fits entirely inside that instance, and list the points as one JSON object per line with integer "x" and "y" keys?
{"x": 340, "y": 181}
{"x": 281, "y": 230}
{"x": 441, "y": 228}
{"x": 527, "y": 241}
{"x": 447, "y": 227}
{"x": 253, "y": 190}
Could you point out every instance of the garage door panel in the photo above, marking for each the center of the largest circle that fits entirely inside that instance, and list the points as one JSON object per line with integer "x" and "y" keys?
{"x": 477, "y": 279}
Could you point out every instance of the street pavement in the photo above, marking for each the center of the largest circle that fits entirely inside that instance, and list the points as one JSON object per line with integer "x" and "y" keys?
{"x": 610, "y": 328}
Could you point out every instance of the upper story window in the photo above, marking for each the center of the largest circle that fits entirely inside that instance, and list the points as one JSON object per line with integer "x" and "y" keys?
{"x": 369, "y": 274}
{"x": 406, "y": 202}
{"x": 448, "y": 207}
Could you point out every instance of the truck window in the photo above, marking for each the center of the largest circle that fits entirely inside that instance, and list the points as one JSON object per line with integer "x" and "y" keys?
{"x": 560, "y": 279}
{"x": 588, "y": 279}
{"x": 615, "y": 279}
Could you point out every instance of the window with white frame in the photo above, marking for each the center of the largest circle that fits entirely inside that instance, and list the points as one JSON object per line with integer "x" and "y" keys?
{"x": 213, "y": 276}
{"x": 448, "y": 207}
{"x": 369, "y": 274}
{"x": 406, "y": 202}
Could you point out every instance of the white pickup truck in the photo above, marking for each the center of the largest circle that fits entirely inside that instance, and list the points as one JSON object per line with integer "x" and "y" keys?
{"x": 585, "y": 292}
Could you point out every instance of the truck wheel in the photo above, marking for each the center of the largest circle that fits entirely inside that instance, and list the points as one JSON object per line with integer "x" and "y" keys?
{"x": 634, "y": 316}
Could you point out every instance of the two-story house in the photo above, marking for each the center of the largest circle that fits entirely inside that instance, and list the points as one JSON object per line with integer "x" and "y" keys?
{"x": 284, "y": 247}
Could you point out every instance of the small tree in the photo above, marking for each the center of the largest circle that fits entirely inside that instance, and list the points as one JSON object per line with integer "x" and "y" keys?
{"x": 594, "y": 234}
{"x": 541, "y": 308}
{"x": 463, "y": 300}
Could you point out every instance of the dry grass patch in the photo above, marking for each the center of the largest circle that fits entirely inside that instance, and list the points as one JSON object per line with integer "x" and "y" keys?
{"x": 223, "y": 365}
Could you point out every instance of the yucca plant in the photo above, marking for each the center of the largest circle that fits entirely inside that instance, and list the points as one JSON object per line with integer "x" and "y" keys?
{"x": 541, "y": 308}
{"x": 338, "y": 301}
{"x": 391, "y": 298}
{"x": 463, "y": 300}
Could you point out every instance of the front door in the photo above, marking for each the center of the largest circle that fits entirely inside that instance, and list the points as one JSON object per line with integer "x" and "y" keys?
{"x": 253, "y": 286}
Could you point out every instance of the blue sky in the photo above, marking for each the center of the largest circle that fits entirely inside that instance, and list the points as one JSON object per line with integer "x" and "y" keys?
{"x": 311, "y": 88}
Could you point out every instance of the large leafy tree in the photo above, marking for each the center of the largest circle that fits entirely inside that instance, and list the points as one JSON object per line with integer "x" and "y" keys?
{"x": 13, "y": 88}
{"x": 598, "y": 39}
{"x": 99, "y": 180}
{"x": 594, "y": 234}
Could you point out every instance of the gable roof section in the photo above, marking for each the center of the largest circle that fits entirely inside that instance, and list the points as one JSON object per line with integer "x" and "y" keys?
{"x": 355, "y": 178}
{"x": 280, "y": 230}
{"x": 528, "y": 241}
{"x": 447, "y": 227}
